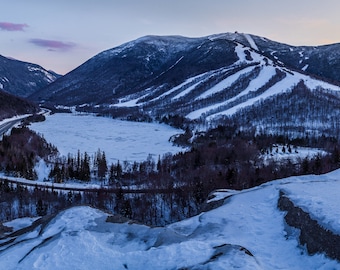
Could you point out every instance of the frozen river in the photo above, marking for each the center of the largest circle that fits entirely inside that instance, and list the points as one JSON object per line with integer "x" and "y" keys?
{"x": 120, "y": 140}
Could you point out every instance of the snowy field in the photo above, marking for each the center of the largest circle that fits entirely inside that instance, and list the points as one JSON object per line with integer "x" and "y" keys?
{"x": 246, "y": 232}
{"x": 121, "y": 140}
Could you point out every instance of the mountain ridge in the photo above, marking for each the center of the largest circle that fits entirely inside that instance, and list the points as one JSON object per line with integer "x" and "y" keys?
{"x": 22, "y": 78}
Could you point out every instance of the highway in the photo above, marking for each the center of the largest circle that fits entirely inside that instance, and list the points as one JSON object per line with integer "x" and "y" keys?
{"x": 8, "y": 125}
{"x": 4, "y": 127}
{"x": 85, "y": 187}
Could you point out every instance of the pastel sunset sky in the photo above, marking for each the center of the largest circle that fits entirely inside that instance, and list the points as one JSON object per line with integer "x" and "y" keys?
{"x": 62, "y": 34}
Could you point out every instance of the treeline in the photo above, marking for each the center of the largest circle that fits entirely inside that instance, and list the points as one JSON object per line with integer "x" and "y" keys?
{"x": 11, "y": 106}
{"x": 174, "y": 186}
{"x": 150, "y": 208}
{"x": 222, "y": 157}
{"x": 20, "y": 151}
{"x": 297, "y": 113}
{"x": 85, "y": 168}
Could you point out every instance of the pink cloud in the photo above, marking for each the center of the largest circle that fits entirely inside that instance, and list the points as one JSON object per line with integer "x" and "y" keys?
{"x": 53, "y": 45}
{"x": 7, "y": 26}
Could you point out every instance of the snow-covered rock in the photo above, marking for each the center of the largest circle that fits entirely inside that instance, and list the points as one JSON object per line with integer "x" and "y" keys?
{"x": 247, "y": 231}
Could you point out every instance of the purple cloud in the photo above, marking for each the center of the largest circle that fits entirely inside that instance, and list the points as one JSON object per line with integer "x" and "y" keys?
{"x": 53, "y": 45}
{"x": 7, "y": 26}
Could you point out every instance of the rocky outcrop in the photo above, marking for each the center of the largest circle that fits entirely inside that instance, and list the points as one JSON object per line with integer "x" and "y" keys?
{"x": 316, "y": 238}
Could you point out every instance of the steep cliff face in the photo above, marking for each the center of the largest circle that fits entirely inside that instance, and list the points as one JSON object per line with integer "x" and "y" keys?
{"x": 316, "y": 238}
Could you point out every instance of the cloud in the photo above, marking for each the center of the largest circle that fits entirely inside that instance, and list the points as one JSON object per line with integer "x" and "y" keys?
{"x": 53, "y": 45}
{"x": 7, "y": 26}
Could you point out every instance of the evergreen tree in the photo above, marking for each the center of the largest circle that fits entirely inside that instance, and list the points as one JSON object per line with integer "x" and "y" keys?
{"x": 126, "y": 210}
{"x": 119, "y": 171}
{"x": 102, "y": 165}
{"x": 85, "y": 173}
{"x": 41, "y": 208}
{"x": 112, "y": 174}
{"x": 78, "y": 166}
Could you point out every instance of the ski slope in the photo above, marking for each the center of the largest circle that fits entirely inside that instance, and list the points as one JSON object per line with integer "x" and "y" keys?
{"x": 224, "y": 91}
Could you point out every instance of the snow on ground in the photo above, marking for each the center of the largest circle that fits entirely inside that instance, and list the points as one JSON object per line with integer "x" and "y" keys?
{"x": 186, "y": 82}
{"x": 121, "y": 140}
{"x": 314, "y": 84}
{"x": 225, "y": 83}
{"x": 42, "y": 170}
{"x": 279, "y": 87}
{"x": 320, "y": 199}
{"x": 246, "y": 232}
{"x": 239, "y": 50}
{"x": 282, "y": 86}
{"x": 267, "y": 72}
{"x": 18, "y": 117}
{"x": 186, "y": 91}
{"x": 78, "y": 185}
{"x": 296, "y": 154}
{"x": 251, "y": 42}
{"x": 265, "y": 75}
{"x": 129, "y": 103}
{"x": 20, "y": 223}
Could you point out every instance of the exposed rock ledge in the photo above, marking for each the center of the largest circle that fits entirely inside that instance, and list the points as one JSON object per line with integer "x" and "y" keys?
{"x": 316, "y": 238}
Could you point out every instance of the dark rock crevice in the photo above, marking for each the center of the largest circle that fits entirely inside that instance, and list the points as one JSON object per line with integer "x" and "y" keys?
{"x": 316, "y": 238}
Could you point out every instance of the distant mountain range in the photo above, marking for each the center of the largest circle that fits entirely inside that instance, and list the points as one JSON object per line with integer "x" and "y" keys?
{"x": 23, "y": 79}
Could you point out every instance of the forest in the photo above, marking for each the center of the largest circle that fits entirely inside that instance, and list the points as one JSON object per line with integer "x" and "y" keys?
{"x": 156, "y": 192}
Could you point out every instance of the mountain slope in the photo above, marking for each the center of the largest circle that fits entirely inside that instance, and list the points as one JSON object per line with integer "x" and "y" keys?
{"x": 21, "y": 78}
{"x": 203, "y": 79}
{"x": 322, "y": 61}
{"x": 12, "y": 106}
{"x": 246, "y": 231}
{"x": 135, "y": 66}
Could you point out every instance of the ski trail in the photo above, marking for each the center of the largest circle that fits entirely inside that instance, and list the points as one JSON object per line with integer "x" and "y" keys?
{"x": 251, "y": 42}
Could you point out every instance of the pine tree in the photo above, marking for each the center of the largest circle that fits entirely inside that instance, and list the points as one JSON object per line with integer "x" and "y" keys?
{"x": 41, "y": 208}
{"x": 78, "y": 161}
{"x": 84, "y": 172}
{"x": 112, "y": 174}
{"x": 102, "y": 165}
{"x": 126, "y": 210}
{"x": 119, "y": 171}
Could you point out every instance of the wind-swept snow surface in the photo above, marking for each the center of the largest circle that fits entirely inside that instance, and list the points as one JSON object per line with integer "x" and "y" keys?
{"x": 246, "y": 232}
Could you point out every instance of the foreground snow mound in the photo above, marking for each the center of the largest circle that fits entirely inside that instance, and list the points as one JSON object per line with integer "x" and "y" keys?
{"x": 246, "y": 232}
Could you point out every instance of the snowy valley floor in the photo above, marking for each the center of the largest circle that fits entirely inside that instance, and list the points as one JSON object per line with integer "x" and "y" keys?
{"x": 246, "y": 232}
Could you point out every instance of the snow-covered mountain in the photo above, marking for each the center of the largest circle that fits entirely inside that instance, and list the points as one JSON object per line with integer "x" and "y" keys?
{"x": 21, "y": 78}
{"x": 249, "y": 229}
{"x": 208, "y": 78}
{"x": 134, "y": 67}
